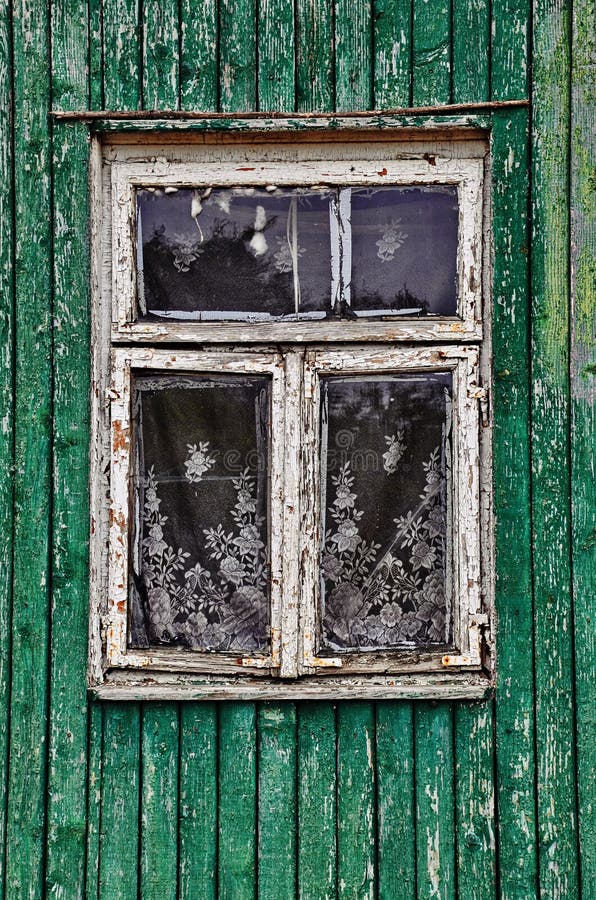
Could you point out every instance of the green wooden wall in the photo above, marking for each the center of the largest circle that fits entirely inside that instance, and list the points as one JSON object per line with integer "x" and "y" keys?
{"x": 316, "y": 800}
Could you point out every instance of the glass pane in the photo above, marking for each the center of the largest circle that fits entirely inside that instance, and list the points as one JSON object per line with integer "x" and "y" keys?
{"x": 200, "y": 574}
{"x": 234, "y": 253}
{"x": 385, "y": 469}
{"x": 404, "y": 250}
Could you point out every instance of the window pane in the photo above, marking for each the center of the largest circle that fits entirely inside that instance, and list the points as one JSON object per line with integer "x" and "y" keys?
{"x": 404, "y": 250}
{"x": 234, "y": 253}
{"x": 385, "y": 470}
{"x": 200, "y": 574}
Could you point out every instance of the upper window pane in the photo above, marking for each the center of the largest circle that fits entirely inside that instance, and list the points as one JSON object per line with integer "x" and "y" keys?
{"x": 385, "y": 508}
{"x": 200, "y": 573}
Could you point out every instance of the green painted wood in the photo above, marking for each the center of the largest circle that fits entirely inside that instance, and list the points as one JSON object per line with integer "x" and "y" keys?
{"x": 475, "y": 802}
{"x": 27, "y": 779}
{"x": 353, "y": 55}
{"x": 276, "y": 726}
{"x": 317, "y": 801}
{"x": 556, "y": 789}
{"x": 237, "y": 55}
{"x": 431, "y": 52}
{"x": 7, "y": 348}
{"x": 392, "y": 53}
{"x": 237, "y": 801}
{"x": 275, "y": 28}
{"x": 119, "y": 822}
{"x": 197, "y": 854}
{"x": 159, "y": 802}
{"x": 396, "y": 823}
{"x": 96, "y": 100}
{"x": 122, "y": 54}
{"x": 198, "y": 54}
{"x": 583, "y": 421}
{"x": 67, "y": 773}
{"x": 315, "y": 90}
{"x": 356, "y": 825}
{"x": 94, "y": 794}
{"x": 471, "y": 51}
{"x": 435, "y": 839}
{"x": 160, "y": 54}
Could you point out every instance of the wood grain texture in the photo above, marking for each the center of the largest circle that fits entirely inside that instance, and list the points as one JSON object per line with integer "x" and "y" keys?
{"x": 392, "y": 53}
{"x": 583, "y": 420}
{"x": 356, "y": 825}
{"x": 237, "y": 55}
{"x": 276, "y": 726}
{"x": 237, "y": 801}
{"x": 317, "y": 802}
{"x": 315, "y": 83}
{"x": 197, "y": 853}
{"x": 353, "y": 55}
{"x": 160, "y": 54}
{"x": 94, "y": 794}
{"x": 198, "y": 54}
{"x": 556, "y": 789}
{"x": 96, "y": 99}
{"x": 122, "y": 54}
{"x": 275, "y": 29}
{"x": 435, "y": 839}
{"x": 431, "y": 51}
{"x": 396, "y": 820}
{"x": 471, "y": 50}
{"x": 27, "y": 780}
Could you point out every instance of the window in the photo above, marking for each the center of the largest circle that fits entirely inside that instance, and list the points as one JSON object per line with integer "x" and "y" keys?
{"x": 290, "y": 490}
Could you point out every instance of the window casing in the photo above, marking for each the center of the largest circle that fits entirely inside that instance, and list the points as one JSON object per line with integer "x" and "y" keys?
{"x": 301, "y": 358}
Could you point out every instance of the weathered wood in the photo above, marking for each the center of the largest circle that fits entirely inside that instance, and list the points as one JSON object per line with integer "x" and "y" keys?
{"x": 317, "y": 802}
{"x": 435, "y": 839}
{"x": 237, "y": 802}
{"x": 275, "y": 28}
{"x": 431, "y": 52}
{"x": 471, "y": 50}
{"x": 556, "y": 789}
{"x": 396, "y": 820}
{"x": 583, "y": 420}
{"x": 122, "y": 54}
{"x": 356, "y": 831}
{"x": 276, "y": 728}
{"x": 96, "y": 98}
{"x": 198, "y": 55}
{"x": 94, "y": 794}
{"x": 353, "y": 55}
{"x": 158, "y": 862}
{"x": 160, "y": 54}
{"x": 27, "y": 780}
{"x": 314, "y": 56}
{"x": 237, "y": 55}
{"x": 197, "y": 853}
{"x": 392, "y": 53}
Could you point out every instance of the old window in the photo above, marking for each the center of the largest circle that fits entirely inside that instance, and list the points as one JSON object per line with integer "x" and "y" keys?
{"x": 289, "y": 361}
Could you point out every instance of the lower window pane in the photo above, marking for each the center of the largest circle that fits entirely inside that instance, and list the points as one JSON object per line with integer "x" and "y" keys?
{"x": 385, "y": 567}
{"x": 200, "y": 574}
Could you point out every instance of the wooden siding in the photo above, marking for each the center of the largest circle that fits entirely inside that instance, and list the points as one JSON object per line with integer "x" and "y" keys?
{"x": 315, "y": 800}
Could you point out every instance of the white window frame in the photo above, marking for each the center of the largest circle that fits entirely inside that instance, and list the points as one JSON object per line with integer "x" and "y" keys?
{"x": 294, "y": 355}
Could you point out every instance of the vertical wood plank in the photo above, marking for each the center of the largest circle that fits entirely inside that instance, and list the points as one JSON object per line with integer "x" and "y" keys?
{"x": 198, "y": 801}
{"x": 198, "y": 54}
{"x": 317, "y": 803}
{"x": 122, "y": 54}
{"x": 557, "y": 815}
{"x": 435, "y": 837}
{"x": 277, "y": 801}
{"x": 94, "y": 793}
{"x": 393, "y": 57}
{"x": 7, "y": 349}
{"x": 353, "y": 55}
{"x": 160, "y": 54}
{"x": 356, "y": 831}
{"x": 431, "y": 52}
{"x": 471, "y": 51}
{"x": 583, "y": 418}
{"x": 275, "y": 29}
{"x": 237, "y": 55}
{"x": 33, "y": 405}
{"x": 96, "y": 100}
{"x": 237, "y": 801}
{"x": 159, "y": 802}
{"x": 475, "y": 806}
{"x": 314, "y": 56}
{"x": 396, "y": 823}
{"x": 120, "y": 826}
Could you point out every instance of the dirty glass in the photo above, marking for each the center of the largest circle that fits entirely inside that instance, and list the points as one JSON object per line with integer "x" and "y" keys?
{"x": 200, "y": 535}
{"x": 385, "y": 464}
{"x": 234, "y": 253}
{"x": 404, "y": 250}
